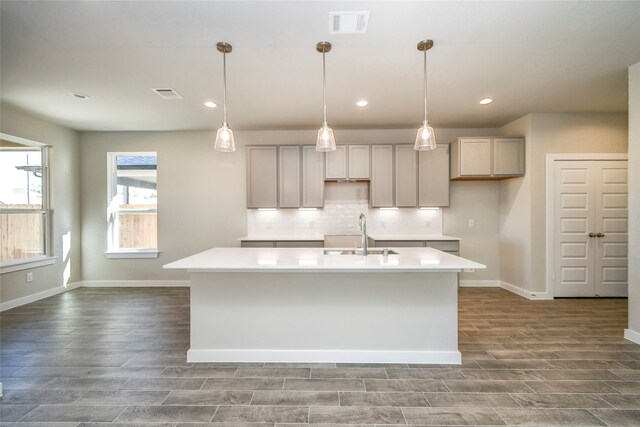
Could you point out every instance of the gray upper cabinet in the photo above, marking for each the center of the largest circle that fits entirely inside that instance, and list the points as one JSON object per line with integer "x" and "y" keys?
{"x": 312, "y": 177}
{"x": 337, "y": 163}
{"x": 289, "y": 174}
{"x": 358, "y": 162}
{"x": 433, "y": 177}
{"x": 262, "y": 177}
{"x": 487, "y": 158}
{"x": 381, "y": 188}
{"x": 348, "y": 162}
{"x": 508, "y": 156}
{"x": 406, "y": 182}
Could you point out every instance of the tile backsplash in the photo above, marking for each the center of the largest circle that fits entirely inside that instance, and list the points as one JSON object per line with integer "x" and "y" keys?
{"x": 343, "y": 204}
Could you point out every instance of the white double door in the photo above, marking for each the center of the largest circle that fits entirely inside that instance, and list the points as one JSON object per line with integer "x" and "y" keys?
{"x": 590, "y": 229}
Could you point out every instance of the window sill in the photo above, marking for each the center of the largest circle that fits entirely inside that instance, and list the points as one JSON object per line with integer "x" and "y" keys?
{"x": 27, "y": 264}
{"x": 124, "y": 254}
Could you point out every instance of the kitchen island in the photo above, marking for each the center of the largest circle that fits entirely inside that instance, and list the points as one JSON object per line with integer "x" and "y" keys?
{"x": 302, "y": 305}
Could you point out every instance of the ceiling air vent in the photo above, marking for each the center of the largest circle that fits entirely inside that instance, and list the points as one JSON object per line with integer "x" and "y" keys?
{"x": 348, "y": 22}
{"x": 167, "y": 93}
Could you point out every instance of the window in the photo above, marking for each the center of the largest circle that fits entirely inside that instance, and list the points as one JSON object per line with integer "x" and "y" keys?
{"x": 24, "y": 202}
{"x": 132, "y": 208}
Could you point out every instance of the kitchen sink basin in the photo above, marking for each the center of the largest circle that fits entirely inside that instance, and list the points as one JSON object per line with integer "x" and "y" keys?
{"x": 352, "y": 252}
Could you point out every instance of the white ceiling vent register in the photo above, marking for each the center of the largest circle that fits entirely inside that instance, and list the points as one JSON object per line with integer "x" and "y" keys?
{"x": 348, "y": 22}
{"x": 167, "y": 93}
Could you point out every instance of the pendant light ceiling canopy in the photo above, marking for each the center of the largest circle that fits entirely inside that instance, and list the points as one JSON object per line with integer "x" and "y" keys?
{"x": 426, "y": 137}
{"x": 224, "y": 137}
{"x": 325, "y": 140}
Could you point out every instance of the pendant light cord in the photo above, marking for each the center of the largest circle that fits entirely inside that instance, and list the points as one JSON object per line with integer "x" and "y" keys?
{"x": 324, "y": 89}
{"x": 425, "y": 86}
{"x": 224, "y": 91}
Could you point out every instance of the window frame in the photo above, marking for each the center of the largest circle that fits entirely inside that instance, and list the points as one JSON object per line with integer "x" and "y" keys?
{"x": 112, "y": 250}
{"x": 48, "y": 257}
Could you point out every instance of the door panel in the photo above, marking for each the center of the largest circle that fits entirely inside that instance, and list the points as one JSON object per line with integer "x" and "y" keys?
{"x": 590, "y": 197}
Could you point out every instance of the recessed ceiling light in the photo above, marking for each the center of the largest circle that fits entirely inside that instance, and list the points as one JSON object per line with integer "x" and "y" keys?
{"x": 210, "y": 104}
{"x": 79, "y": 95}
{"x": 362, "y": 103}
{"x": 485, "y": 101}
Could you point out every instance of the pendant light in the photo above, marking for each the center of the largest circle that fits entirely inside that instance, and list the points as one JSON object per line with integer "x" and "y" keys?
{"x": 224, "y": 137}
{"x": 325, "y": 140}
{"x": 426, "y": 137}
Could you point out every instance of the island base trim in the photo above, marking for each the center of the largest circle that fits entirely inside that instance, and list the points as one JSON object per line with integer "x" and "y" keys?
{"x": 326, "y": 356}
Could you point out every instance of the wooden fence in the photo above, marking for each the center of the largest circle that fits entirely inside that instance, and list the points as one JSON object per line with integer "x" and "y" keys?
{"x": 138, "y": 230}
{"x": 21, "y": 234}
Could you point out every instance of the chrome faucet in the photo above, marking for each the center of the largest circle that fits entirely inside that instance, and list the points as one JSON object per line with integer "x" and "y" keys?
{"x": 363, "y": 228}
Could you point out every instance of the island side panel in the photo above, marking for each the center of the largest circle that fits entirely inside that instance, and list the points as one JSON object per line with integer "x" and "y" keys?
{"x": 324, "y": 317}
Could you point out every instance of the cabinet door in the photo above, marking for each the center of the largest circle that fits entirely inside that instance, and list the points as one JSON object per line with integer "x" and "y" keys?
{"x": 444, "y": 245}
{"x": 300, "y": 243}
{"x": 257, "y": 244}
{"x": 508, "y": 156}
{"x": 336, "y": 162}
{"x": 358, "y": 162}
{"x": 406, "y": 176}
{"x": 381, "y": 188}
{"x": 433, "y": 177}
{"x": 289, "y": 176}
{"x": 475, "y": 156}
{"x": 262, "y": 177}
{"x": 312, "y": 177}
{"x": 399, "y": 244}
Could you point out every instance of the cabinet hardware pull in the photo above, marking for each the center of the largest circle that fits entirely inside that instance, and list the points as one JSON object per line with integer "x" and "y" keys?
{"x": 600, "y": 235}
{"x": 592, "y": 234}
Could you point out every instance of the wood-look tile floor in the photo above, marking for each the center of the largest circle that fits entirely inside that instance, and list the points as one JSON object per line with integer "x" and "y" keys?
{"x": 97, "y": 356}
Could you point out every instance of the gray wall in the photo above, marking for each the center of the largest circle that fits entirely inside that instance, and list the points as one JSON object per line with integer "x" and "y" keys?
{"x": 201, "y": 197}
{"x": 634, "y": 198}
{"x": 523, "y": 202}
{"x": 65, "y": 203}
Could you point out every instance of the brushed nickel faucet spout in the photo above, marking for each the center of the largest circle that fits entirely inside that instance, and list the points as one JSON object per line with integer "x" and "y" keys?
{"x": 363, "y": 228}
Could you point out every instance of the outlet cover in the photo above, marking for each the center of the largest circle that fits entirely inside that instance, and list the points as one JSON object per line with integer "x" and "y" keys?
{"x": 29, "y": 277}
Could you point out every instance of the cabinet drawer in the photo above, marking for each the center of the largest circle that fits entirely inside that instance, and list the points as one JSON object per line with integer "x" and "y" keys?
{"x": 399, "y": 244}
{"x": 446, "y": 245}
{"x": 257, "y": 244}
{"x": 300, "y": 244}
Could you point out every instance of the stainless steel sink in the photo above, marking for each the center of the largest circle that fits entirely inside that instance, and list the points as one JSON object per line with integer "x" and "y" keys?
{"x": 352, "y": 252}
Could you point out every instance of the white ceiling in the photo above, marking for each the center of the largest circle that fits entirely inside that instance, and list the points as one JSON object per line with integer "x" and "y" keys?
{"x": 530, "y": 56}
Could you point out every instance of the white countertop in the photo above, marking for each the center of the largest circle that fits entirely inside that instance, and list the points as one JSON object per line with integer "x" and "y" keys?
{"x": 414, "y": 237}
{"x": 283, "y": 238}
{"x": 314, "y": 260}
{"x": 318, "y": 237}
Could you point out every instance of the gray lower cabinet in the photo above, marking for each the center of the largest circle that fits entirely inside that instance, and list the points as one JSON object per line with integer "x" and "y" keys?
{"x": 450, "y": 246}
{"x": 282, "y": 244}
{"x": 433, "y": 177}
{"x": 262, "y": 177}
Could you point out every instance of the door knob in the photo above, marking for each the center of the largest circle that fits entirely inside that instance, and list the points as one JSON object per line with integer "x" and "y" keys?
{"x": 600, "y": 235}
{"x": 592, "y": 234}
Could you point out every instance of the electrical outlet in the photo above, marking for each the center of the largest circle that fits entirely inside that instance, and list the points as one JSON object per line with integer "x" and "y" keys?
{"x": 469, "y": 270}
{"x": 472, "y": 222}
{"x": 29, "y": 277}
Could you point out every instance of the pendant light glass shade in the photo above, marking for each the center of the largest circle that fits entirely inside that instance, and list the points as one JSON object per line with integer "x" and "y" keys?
{"x": 325, "y": 140}
{"x": 426, "y": 137}
{"x": 224, "y": 137}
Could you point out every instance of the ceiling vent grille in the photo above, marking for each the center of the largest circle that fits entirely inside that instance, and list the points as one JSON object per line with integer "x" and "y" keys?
{"x": 348, "y": 22}
{"x": 167, "y": 93}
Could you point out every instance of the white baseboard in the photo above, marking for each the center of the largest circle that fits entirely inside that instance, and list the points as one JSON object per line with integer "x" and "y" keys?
{"x": 134, "y": 283}
{"x": 524, "y": 293}
{"x": 632, "y": 335}
{"x": 479, "y": 283}
{"x": 325, "y": 356}
{"x": 38, "y": 296}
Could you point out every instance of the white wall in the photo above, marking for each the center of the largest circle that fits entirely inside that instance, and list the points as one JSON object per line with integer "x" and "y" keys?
{"x": 548, "y": 133}
{"x": 634, "y": 198}
{"x": 65, "y": 204}
{"x": 202, "y": 196}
